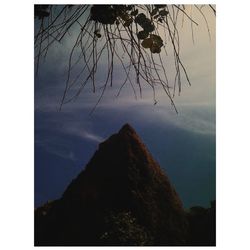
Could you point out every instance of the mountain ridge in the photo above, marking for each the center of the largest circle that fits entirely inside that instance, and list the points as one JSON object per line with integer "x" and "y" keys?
{"x": 122, "y": 189}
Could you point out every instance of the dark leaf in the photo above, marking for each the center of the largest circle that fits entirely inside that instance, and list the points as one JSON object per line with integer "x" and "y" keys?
{"x": 157, "y": 40}
{"x": 159, "y": 6}
{"x": 125, "y": 16}
{"x": 97, "y": 33}
{"x": 140, "y": 18}
{"x": 163, "y": 12}
{"x": 142, "y": 34}
{"x": 155, "y": 49}
{"x": 41, "y": 11}
{"x": 129, "y": 7}
{"x": 154, "y": 11}
{"x": 128, "y": 22}
{"x": 134, "y": 13}
{"x": 147, "y": 43}
{"x": 104, "y": 14}
{"x": 119, "y": 8}
{"x": 148, "y": 26}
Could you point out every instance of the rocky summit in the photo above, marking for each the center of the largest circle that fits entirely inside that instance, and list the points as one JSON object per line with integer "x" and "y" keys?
{"x": 121, "y": 198}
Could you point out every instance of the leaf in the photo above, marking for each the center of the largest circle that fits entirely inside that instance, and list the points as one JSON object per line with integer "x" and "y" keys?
{"x": 144, "y": 22}
{"x": 148, "y": 26}
{"x": 134, "y": 13}
{"x": 129, "y": 7}
{"x": 97, "y": 33}
{"x": 124, "y": 16}
{"x": 159, "y": 6}
{"x": 154, "y": 11}
{"x": 157, "y": 40}
{"x": 147, "y": 43}
{"x": 140, "y": 18}
{"x": 142, "y": 34}
{"x": 103, "y": 14}
{"x": 163, "y": 12}
{"x": 128, "y": 22}
{"x": 155, "y": 49}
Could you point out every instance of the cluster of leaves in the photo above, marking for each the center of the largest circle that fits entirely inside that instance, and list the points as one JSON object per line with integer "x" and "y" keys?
{"x": 129, "y": 14}
{"x": 122, "y": 229}
{"x": 110, "y": 14}
{"x": 159, "y": 12}
{"x": 42, "y": 11}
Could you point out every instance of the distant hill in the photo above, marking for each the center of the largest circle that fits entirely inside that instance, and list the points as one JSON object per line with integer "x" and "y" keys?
{"x": 122, "y": 198}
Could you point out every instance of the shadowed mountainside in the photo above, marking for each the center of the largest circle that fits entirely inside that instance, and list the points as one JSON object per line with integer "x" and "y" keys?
{"x": 121, "y": 198}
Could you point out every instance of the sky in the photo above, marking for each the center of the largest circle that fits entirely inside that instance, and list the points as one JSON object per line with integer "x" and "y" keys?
{"x": 183, "y": 143}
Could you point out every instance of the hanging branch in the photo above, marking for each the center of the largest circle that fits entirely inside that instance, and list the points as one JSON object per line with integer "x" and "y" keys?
{"x": 128, "y": 34}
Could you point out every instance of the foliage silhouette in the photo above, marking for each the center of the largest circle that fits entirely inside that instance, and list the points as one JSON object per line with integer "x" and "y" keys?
{"x": 137, "y": 37}
{"x": 202, "y": 226}
{"x": 122, "y": 229}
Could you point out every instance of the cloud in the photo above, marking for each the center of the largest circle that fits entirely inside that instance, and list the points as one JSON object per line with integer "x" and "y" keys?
{"x": 196, "y": 118}
{"x": 55, "y": 147}
{"x": 69, "y": 155}
{"x": 81, "y": 132}
{"x": 58, "y": 132}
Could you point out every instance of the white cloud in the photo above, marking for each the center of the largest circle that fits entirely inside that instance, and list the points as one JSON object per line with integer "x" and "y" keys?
{"x": 81, "y": 132}
{"x": 196, "y": 118}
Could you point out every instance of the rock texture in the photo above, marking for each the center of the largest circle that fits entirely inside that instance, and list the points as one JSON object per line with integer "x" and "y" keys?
{"x": 121, "y": 178}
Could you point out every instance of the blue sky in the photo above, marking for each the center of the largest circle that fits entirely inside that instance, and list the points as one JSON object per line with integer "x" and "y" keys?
{"x": 183, "y": 144}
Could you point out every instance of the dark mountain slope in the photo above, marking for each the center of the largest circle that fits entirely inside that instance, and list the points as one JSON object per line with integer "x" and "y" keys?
{"x": 121, "y": 198}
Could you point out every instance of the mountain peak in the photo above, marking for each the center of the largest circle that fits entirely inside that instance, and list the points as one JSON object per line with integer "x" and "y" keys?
{"x": 127, "y": 128}
{"x": 121, "y": 177}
